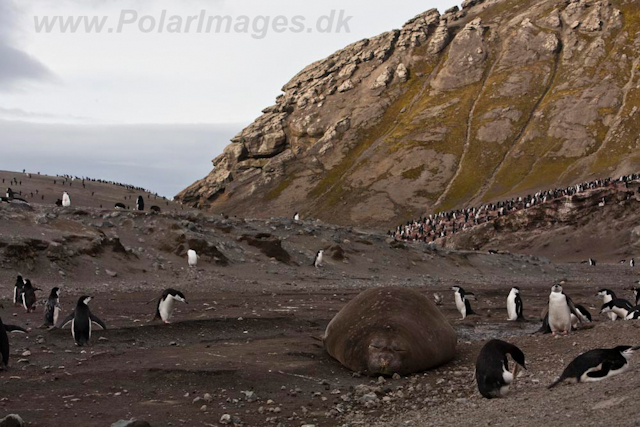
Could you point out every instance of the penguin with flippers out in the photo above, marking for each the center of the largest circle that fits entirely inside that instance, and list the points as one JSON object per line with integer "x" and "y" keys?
{"x": 81, "y": 320}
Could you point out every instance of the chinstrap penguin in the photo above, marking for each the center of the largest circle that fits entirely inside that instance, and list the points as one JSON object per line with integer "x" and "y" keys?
{"x": 4, "y": 342}
{"x": 192, "y": 258}
{"x": 492, "y": 368}
{"x": 81, "y": 320}
{"x": 29, "y": 296}
{"x": 597, "y": 365}
{"x": 164, "y": 308}
{"x": 607, "y": 295}
{"x": 317, "y": 261}
{"x": 514, "y": 305}
{"x": 462, "y": 301}
{"x": 52, "y": 308}
{"x": 17, "y": 291}
{"x": 560, "y": 309}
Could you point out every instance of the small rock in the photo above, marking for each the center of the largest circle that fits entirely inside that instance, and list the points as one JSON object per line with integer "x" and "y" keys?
{"x": 225, "y": 419}
{"x": 111, "y": 273}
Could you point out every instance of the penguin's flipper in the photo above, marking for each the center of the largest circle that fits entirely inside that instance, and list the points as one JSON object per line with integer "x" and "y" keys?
{"x": 545, "y": 328}
{"x": 519, "y": 309}
{"x": 605, "y": 367}
{"x": 573, "y": 309}
{"x": 14, "y": 328}
{"x": 97, "y": 321}
{"x": 65, "y": 321}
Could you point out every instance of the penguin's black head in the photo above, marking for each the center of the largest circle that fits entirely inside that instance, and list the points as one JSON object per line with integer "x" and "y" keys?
{"x": 177, "y": 295}
{"x": 604, "y": 291}
{"x": 556, "y": 288}
{"x": 84, "y": 300}
{"x": 516, "y": 289}
{"x": 518, "y": 356}
{"x": 626, "y": 350}
{"x": 456, "y": 288}
{"x": 55, "y": 292}
{"x": 27, "y": 284}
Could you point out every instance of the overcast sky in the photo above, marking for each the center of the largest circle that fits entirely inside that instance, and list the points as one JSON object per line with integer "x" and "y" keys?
{"x": 155, "y": 95}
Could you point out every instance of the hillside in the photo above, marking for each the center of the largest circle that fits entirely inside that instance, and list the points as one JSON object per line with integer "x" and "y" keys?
{"x": 501, "y": 98}
{"x": 38, "y": 189}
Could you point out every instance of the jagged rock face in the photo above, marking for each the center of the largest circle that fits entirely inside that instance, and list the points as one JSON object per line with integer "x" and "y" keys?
{"x": 499, "y": 98}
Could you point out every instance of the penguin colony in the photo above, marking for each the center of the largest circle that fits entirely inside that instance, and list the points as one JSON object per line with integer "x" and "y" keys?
{"x": 433, "y": 227}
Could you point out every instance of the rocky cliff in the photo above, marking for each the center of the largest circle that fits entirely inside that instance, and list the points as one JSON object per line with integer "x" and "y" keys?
{"x": 499, "y": 98}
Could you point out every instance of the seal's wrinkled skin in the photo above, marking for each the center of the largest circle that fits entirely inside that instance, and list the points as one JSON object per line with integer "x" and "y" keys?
{"x": 384, "y": 331}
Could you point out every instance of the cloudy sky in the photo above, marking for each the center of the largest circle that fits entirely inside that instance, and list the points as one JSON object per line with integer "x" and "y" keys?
{"x": 157, "y": 92}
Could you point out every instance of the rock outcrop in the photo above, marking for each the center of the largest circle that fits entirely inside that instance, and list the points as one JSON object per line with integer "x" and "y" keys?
{"x": 487, "y": 101}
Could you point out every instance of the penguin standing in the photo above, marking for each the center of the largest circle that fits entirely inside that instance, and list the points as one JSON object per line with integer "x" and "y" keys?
{"x": 164, "y": 309}
{"x": 437, "y": 298}
{"x": 296, "y": 216}
{"x": 52, "y": 308}
{"x": 514, "y": 305}
{"x": 632, "y": 263}
{"x": 66, "y": 200}
{"x": 597, "y": 365}
{"x": 140, "y": 203}
{"x": 560, "y": 309}
{"x": 192, "y": 258}
{"x": 592, "y": 262}
{"x": 462, "y": 301}
{"x": 29, "y": 296}
{"x": 317, "y": 261}
{"x": 9, "y": 193}
{"x": 18, "y": 289}
{"x": 492, "y": 368}
{"x": 81, "y": 320}
{"x": 4, "y": 342}
{"x": 636, "y": 293}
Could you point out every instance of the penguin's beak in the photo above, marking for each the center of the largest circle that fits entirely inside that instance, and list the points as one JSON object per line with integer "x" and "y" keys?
{"x": 636, "y": 348}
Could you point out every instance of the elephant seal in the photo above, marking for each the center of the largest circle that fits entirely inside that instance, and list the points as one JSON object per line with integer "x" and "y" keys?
{"x": 384, "y": 331}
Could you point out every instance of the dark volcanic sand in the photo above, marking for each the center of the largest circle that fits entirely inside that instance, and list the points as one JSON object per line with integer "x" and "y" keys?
{"x": 253, "y": 326}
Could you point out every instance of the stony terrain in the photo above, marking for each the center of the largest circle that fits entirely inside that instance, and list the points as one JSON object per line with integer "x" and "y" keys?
{"x": 246, "y": 349}
{"x": 502, "y": 97}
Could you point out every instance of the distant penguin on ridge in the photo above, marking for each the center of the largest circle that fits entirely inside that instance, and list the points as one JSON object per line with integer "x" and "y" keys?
{"x": 514, "y": 305}
{"x": 192, "y": 258}
{"x": 140, "y": 203}
{"x": 164, "y": 308}
{"x": 492, "y": 368}
{"x": 632, "y": 263}
{"x": 66, "y": 200}
{"x": 597, "y": 365}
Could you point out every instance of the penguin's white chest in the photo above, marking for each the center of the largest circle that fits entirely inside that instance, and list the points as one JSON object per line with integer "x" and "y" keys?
{"x": 56, "y": 314}
{"x": 66, "y": 201}
{"x": 462, "y": 308}
{"x": 319, "y": 259}
{"x": 192, "y": 258}
{"x": 611, "y": 315}
{"x": 166, "y": 308}
{"x": 511, "y": 307}
{"x": 559, "y": 313}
